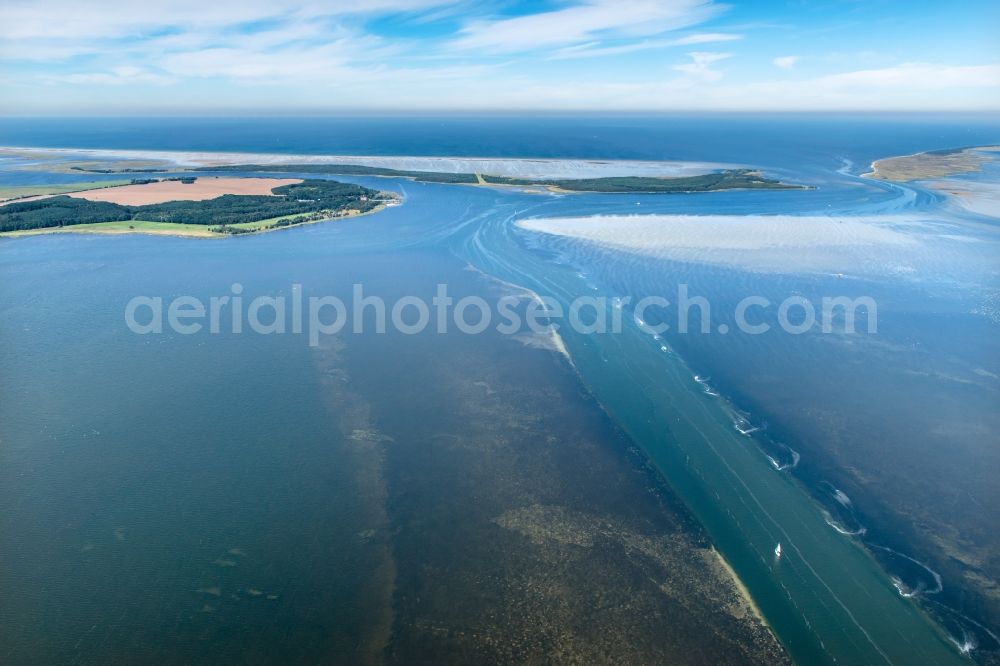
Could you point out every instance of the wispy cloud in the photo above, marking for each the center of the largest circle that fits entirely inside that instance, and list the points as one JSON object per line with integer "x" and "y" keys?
{"x": 50, "y": 19}
{"x": 918, "y": 76}
{"x": 239, "y": 61}
{"x": 701, "y": 65}
{"x": 464, "y": 54}
{"x": 117, "y": 76}
{"x": 905, "y": 86}
{"x": 584, "y": 22}
{"x": 786, "y": 62}
{"x": 595, "y": 50}
{"x": 54, "y": 30}
{"x": 706, "y": 38}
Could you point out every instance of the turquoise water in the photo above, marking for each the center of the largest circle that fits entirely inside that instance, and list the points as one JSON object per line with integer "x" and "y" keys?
{"x": 92, "y": 415}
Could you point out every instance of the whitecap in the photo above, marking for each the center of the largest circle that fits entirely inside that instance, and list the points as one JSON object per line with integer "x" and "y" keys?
{"x": 842, "y": 498}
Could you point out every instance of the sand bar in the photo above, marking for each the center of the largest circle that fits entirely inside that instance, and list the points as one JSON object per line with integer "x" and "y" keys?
{"x": 835, "y": 244}
{"x": 649, "y": 233}
{"x": 494, "y": 166}
{"x": 979, "y": 198}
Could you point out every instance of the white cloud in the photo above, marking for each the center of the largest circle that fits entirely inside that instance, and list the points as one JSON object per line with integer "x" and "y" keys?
{"x": 584, "y": 22}
{"x": 889, "y": 89}
{"x": 594, "y": 49}
{"x": 489, "y": 88}
{"x": 58, "y": 30}
{"x": 786, "y": 62}
{"x": 256, "y": 61}
{"x": 701, "y": 65}
{"x": 49, "y": 19}
{"x": 323, "y": 54}
{"x": 706, "y": 37}
{"x": 117, "y": 76}
{"x": 918, "y": 76}
{"x": 910, "y": 86}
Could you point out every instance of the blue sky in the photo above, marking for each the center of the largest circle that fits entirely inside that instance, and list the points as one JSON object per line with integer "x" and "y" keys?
{"x": 205, "y": 56}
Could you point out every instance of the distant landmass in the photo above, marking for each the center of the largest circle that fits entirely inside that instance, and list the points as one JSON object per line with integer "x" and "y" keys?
{"x": 726, "y": 179}
{"x": 933, "y": 164}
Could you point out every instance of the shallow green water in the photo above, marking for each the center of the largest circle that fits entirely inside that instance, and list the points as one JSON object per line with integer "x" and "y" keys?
{"x": 826, "y": 598}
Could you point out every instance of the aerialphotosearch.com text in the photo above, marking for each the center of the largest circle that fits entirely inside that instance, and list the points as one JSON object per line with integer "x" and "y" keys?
{"x": 324, "y": 315}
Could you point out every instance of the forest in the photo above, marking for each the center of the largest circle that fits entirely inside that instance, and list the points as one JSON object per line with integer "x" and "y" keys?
{"x": 721, "y": 180}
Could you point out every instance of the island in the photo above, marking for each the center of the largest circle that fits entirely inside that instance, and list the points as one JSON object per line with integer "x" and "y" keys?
{"x": 957, "y": 173}
{"x": 192, "y": 206}
{"x": 932, "y": 164}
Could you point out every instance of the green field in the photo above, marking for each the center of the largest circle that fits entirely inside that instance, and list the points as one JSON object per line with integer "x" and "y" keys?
{"x": 122, "y": 227}
{"x": 275, "y": 222}
{"x": 18, "y": 191}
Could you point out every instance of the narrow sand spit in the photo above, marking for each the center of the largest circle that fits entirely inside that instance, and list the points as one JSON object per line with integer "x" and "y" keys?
{"x": 494, "y": 166}
{"x": 173, "y": 190}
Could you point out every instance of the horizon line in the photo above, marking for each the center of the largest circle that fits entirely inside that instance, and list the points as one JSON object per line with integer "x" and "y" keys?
{"x": 354, "y": 112}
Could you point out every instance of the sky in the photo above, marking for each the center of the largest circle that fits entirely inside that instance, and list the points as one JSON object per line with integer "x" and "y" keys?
{"x": 114, "y": 57}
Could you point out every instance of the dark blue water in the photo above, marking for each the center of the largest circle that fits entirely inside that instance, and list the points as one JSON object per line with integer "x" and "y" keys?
{"x": 797, "y": 141}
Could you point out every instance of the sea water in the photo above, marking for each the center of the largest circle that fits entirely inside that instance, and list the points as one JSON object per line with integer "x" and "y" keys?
{"x": 829, "y": 444}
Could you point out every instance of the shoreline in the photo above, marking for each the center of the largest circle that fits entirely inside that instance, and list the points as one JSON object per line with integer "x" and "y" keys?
{"x": 741, "y": 588}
